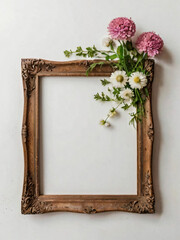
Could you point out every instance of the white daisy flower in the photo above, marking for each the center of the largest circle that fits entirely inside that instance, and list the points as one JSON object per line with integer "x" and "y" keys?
{"x": 107, "y": 41}
{"x": 127, "y": 95}
{"x": 138, "y": 80}
{"x": 119, "y": 78}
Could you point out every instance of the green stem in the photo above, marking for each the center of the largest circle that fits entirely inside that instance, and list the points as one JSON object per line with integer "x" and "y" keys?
{"x": 139, "y": 62}
{"x": 108, "y": 116}
{"x": 124, "y": 62}
{"x": 104, "y": 52}
{"x": 139, "y": 95}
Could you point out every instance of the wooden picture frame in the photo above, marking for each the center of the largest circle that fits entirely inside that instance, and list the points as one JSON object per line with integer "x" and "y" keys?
{"x": 32, "y": 201}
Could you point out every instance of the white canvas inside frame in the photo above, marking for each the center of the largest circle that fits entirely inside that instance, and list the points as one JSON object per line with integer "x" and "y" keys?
{"x": 79, "y": 156}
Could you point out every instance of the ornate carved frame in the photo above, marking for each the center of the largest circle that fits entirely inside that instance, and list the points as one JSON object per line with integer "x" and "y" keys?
{"x": 32, "y": 201}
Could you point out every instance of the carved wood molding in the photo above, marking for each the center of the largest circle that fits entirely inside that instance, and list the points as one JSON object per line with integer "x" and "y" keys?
{"x": 30, "y": 204}
{"x": 38, "y": 207}
{"x": 149, "y": 66}
{"x": 24, "y": 133}
{"x": 85, "y": 63}
{"x": 90, "y": 210}
{"x": 30, "y": 67}
{"x": 146, "y": 203}
{"x": 150, "y": 132}
{"x": 28, "y": 195}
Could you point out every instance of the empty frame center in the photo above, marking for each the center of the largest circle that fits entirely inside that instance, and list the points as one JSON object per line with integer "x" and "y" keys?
{"x": 77, "y": 154}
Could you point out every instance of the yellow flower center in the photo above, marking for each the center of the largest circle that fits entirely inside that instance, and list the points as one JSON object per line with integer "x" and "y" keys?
{"x": 136, "y": 79}
{"x": 119, "y": 78}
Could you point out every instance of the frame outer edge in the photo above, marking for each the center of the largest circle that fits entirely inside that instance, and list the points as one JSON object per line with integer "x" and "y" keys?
{"x": 31, "y": 202}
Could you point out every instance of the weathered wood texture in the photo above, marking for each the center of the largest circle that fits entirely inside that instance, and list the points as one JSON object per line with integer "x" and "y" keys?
{"x": 32, "y": 201}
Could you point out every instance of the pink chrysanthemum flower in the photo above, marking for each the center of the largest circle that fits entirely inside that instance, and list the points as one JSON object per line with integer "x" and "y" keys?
{"x": 121, "y": 28}
{"x": 149, "y": 42}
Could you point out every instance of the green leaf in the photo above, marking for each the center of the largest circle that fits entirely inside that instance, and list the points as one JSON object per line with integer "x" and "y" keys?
{"x": 120, "y": 52}
{"x": 67, "y": 53}
{"x": 146, "y": 92}
{"x": 129, "y": 63}
{"x": 113, "y": 56}
{"x": 94, "y": 48}
{"x": 116, "y": 91}
{"x": 97, "y": 96}
{"x": 107, "y": 98}
{"x": 102, "y": 97}
{"x": 79, "y": 49}
{"x": 126, "y": 106}
{"x": 112, "y": 46}
{"x": 92, "y": 66}
{"x": 134, "y": 118}
{"x": 79, "y": 54}
{"x": 104, "y": 82}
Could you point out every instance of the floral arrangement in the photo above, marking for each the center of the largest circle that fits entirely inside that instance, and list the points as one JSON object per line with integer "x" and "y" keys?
{"x": 127, "y": 86}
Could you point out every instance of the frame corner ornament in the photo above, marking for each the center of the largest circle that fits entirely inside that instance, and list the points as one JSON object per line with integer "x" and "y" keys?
{"x": 37, "y": 207}
{"x": 30, "y": 204}
{"x": 30, "y": 67}
{"x": 145, "y": 203}
{"x": 28, "y": 195}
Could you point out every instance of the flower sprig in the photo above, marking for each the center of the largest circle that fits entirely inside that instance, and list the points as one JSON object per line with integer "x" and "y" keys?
{"x": 127, "y": 86}
{"x": 89, "y": 52}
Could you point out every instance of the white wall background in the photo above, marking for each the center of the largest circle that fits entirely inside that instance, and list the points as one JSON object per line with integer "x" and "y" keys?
{"x": 43, "y": 29}
{"x": 78, "y": 156}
